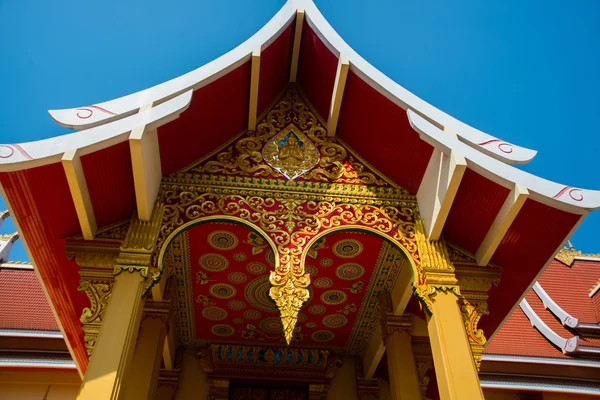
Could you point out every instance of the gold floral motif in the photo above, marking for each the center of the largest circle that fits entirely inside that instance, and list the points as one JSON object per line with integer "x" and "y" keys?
{"x": 340, "y": 190}
{"x": 98, "y": 292}
{"x": 291, "y": 223}
{"x": 334, "y": 163}
{"x": 474, "y": 283}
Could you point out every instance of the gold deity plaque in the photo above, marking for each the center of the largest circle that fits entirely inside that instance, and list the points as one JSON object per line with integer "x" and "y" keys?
{"x": 291, "y": 153}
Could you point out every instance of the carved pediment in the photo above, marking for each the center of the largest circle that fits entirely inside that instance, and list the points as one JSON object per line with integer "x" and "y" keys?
{"x": 289, "y": 144}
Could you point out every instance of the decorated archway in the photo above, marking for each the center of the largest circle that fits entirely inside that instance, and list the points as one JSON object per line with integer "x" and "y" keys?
{"x": 300, "y": 187}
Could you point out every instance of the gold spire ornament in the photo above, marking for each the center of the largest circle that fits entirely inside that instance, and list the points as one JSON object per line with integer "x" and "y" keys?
{"x": 289, "y": 293}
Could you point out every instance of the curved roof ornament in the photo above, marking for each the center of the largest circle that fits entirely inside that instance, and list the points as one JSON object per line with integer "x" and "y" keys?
{"x": 15, "y": 157}
{"x": 92, "y": 115}
{"x": 561, "y": 196}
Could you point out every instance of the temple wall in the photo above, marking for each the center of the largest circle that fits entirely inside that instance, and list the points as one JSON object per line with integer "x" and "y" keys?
{"x": 39, "y": 391}
{"x": 42, "y": 385}
{"x": 193, "y": 383}
{"x": 343, "y": 386}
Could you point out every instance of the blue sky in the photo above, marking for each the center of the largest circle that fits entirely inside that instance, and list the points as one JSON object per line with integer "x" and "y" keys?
{"x": 526, "y": 72}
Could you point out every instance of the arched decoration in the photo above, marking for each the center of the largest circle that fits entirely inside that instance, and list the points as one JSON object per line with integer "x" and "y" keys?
{"x": 292, "y": 224}
{"x": 367, "y": 229}
{"x": 340, "y": 191}
{"x": 203, "y": 220}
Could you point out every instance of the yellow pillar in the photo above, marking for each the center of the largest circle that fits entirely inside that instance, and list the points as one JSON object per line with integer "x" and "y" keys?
{"x": 114, "y": 347}
{"x": 438, "y": 289}
{"x": 404, "y": 380}
{"x": 142, "y": 380}
{"x": 402, "y": 368}
{"x": 455, "y": 369}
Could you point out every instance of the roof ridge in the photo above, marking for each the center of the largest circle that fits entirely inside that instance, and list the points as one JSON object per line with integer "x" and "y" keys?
{"x": 567, "y": 254}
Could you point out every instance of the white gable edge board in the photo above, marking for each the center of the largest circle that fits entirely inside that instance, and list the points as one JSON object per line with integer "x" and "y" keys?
{"x": 562, "y": 197}
{"x": 91, "y": 115}
{"x": 195, "y": 79}
{"x": 49, "y": 151}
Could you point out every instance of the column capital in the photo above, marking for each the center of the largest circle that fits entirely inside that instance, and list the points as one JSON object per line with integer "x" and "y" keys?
{"x": 366, "y": 389}
{"x": 391, "y": 323}
{"x": 437, "y": 270}
{"x": 475, "y": 282}
{"x": 161, "y": 310}
{"x": 136, "y": 251}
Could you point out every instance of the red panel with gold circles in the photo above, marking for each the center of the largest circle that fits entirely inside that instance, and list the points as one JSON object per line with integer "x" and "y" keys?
{"x": 222, "y": 270}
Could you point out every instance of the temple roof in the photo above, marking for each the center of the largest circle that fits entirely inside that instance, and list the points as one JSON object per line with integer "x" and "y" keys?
{"x": 113, "y": 166}
{"x": 559, "y": 317}
{"x": 29, "y": 332}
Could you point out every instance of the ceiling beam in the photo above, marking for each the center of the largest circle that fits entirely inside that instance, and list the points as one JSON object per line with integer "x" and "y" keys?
{"x": 71, "y": 162}
{"x": 254, "y": 77}
{"x": 507, "y": 214}
{"x": 146, "y": 167}
{"x": 438, "y": 189}
{"x": 296, "y": 48}
{"x": 336, "y": 97}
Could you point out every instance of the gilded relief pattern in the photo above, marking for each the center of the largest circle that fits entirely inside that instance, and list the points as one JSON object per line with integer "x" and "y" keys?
{"x": 332, "y": 162}
{"x": 341, "y": 190}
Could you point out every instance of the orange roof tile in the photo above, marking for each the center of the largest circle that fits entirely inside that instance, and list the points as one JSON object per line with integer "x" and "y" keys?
{"x": 23, "y": 304}
{"x": 569, "y": 288}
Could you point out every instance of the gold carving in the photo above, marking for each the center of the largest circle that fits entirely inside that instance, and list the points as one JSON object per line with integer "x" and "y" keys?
{"x": 291, "y": 153}
{"x": 292, "y": 223}
{"x": 423, "y": 366}
{"x": 318, "y": 391}
{"x": 98, "y": 292}
{"x": 218, "y": 389}
{"x": 289, "y": 293}
{"x": 340, "y": 190}
{"x": 474, "y": 283}
{"x": 391, "y": 323}
{"x": 276, "y": 362}
{"x": 96, "y": 261}
{"x": 138, "y": 246}
{"x": 567, "y": 254}
{"x": 458, "y": 255}
{"x": 367, "y": 389}
{"x": 436, "y": 268}
{"x": 336, "y": 164}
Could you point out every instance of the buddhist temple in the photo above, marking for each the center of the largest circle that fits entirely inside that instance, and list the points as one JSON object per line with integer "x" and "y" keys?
{"x": 286, "y": 222}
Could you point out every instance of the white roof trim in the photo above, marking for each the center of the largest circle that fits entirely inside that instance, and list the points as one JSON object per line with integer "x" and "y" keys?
{"x": 48, "y": 151}
{"x": 587, "y": 258}
{"x": 30, "y": 333}
{"x": 87, "y": 116}
{"x": 595, "y": 290}
{"x": 541, "y": 360}
{"x": 16, "y": 266}
{"x": 566, "y": 345}
{"x": 565, "y": 318}
{"x": 36, "y": 363}
{"x": 488, "y": 144}
{"x": 543, "y": 387}
{"x": 551, "y": 193}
